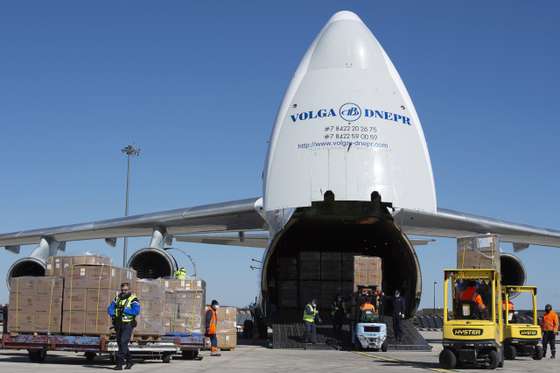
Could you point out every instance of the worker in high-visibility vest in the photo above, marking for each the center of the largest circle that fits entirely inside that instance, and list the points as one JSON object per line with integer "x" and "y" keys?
{"x": 212, "y": 326}
{"x": 123, "y": 311}
{"x": 310, "y": 317}
{"x": 549, "y": 328}
{"x": 181, "y": 274}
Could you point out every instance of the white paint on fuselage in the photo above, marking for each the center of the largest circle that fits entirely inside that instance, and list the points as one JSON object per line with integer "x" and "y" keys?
{"x": 348, "y": 125}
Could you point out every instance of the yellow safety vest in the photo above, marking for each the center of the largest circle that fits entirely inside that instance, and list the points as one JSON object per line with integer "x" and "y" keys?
{"x": 180, "y": 274}
{"x": 121, "y": 304}
{"x": 309, "y": 313}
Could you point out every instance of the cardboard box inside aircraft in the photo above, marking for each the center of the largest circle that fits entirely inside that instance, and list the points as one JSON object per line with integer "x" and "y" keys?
{"x": 367, "y": 271}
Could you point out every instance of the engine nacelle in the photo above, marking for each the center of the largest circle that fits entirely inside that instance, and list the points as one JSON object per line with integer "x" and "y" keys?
{"x": 512, "y": 270}
{"x": 28, "y": 266}
{"x": 152, "y": 263}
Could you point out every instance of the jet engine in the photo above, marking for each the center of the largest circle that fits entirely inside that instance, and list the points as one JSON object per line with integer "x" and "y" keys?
{"x": 513, "y": 272}
{"x": 153, "y": 263}
{"x": 28, "y": 266}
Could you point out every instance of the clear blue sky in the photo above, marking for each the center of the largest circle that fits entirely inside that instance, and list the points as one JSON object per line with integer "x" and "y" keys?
{"x": 197, "y": 86}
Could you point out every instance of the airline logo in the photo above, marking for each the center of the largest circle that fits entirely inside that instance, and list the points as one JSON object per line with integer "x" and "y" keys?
{"x": 463, "y": 332}
{"x": 350, "y": 112}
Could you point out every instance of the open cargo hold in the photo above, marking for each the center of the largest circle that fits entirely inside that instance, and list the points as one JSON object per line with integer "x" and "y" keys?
{"x": 479, "y": 252}
{"x": 184, "y": 302}
{"x": 35, "y": 305}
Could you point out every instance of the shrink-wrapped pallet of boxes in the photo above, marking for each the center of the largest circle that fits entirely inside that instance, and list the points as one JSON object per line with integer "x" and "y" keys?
{"x": 367, "y": 271}
{"x": 479, "y": 252}
{"x": 88, "y": 290}
{"x": 58, "y": 265}
{"x": 151, "y": 295}
{"x": 184, "y": 302}
{"x": 227, "y": 327}
{"x": 35, "y": 305}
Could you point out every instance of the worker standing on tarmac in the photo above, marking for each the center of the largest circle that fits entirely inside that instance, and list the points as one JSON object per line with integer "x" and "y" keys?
{"x": 123, "y": 311}
{"x": 398, "y": 315}
{"x": 212, "y": 326}
{"x": 181, "y": 274}
{"x": 310, "y": 317}
{"x": 550, "y": 329}
{"x": 338, "y": 314}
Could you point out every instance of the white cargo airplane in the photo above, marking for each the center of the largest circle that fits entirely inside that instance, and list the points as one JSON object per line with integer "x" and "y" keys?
{"x": 347, "y": 171}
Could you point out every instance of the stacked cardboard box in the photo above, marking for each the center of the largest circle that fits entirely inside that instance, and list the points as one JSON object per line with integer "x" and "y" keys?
{"x": 184, "y": 302}
{"x": 58, "y": 265}
{"x": 35, "y": 304}
{"x": 151, "y": 294}
{"x": 478, "y": 252}
{"x": 227, "y": 327}
{"x": 88, "y": 290}
{"x": 367, "y": 271}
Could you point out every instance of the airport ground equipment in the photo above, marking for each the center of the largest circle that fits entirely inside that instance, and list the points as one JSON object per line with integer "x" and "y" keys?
{"x": 368, "y": 331}
{"x": 39, "y": 344}
{"x": 189, "y": 344}
{"x": 472, "y": 335}
{"x": 521, "y": 338}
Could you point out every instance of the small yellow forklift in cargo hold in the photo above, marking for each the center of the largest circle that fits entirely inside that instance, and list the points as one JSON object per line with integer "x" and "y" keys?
{"x": 472, "y": 319}
{"x": 520, "y": 338}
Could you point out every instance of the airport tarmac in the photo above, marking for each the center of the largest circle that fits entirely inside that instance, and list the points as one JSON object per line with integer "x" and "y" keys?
{"x": 259, "y": 359}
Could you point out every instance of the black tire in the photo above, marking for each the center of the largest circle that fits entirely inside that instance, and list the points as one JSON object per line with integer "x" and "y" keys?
{"x": 166, "y": 358}
{"x": 90, "y": 356}
{"x": 538, "y": 353}
{"x": 510, "y": 352}
{"x": 447, "y": 359}
{"x": 385, "y": 346}
{"x": 189, "y": 354}
{"x": 493, "y": 359}
{"x": 112, "y": 358}
{"x": 37, "y": 356}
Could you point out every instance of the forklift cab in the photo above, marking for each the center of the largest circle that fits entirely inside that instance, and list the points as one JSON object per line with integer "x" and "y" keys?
{"x": 522, "y": 336}
{"x": 472, "y": 318}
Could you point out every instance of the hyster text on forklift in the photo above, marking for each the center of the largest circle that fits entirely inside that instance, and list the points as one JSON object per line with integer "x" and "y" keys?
{"x": 521, "y": 338}
{"x": 472, "y": 319}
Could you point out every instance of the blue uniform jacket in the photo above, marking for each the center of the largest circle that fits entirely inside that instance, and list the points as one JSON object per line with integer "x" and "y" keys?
{"x": 133, "y": 310}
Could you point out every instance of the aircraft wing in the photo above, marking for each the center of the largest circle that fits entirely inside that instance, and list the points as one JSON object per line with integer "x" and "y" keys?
{"x": 449, "y": 223}
{"x": 240, "y": 238}
{"x": 238, "y": 215}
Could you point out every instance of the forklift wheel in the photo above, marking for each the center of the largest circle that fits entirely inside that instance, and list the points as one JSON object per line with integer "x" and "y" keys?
{"x": 37, "y": 356}
{"x": 447, "y": 359}
{"x": 510, "y": 352}
{"x": 538, "y": 353}
{"x": 493, "y": 359}
{"x": 385, "y": 346}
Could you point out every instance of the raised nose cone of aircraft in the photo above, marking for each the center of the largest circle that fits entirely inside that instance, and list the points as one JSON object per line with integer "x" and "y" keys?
{"x": 347, "y": 125}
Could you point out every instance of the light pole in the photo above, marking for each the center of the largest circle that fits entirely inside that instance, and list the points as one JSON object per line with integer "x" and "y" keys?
{"x": 435, "y": 283}
{"x": 130, "y": 151}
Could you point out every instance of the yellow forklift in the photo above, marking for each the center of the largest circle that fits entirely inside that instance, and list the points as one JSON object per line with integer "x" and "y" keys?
{"x": 472, "y": 319}
{"x": 521, "y": 338}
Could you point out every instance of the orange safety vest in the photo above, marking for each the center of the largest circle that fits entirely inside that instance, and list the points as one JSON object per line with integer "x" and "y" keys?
{"x": 550, "y": 322}
{"x": 510, "y": 306}
{"x": 213, "y": 322}
{"x": 479, "y": 302}
{"x": 367, "y": 307}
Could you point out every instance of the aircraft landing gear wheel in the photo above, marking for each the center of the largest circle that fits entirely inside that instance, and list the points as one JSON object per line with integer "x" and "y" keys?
{"x": 493, "y": 359}
{"x": 510, "y": 352}
{"x": 385, "y": 346}
{"x": 90, "y": 356}
{"x": 538, "y": 353}
{"x": 37, "y": 356}
{"x": 447, "y": 359}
